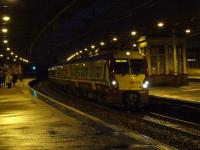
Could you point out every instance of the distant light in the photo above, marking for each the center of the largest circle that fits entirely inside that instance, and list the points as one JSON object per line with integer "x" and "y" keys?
{"x": 20, "y": 58}
{"x": 6, "y": 18}
{"x": 92, "y": 46}
{"x": 85, "y": 49}
{"x": 102, "y": 43}
{"x": 7, "y": 48}
{"x": 4, "y": 30}
{"x": 12, "y": 53}
{"x": 133, "y": 33}
{"x": 16, "y": 56}
{"x": 160, "y": 24}
{"x": 80, "y": 51}
{"x": 1, "y": 55}
{"x": 77, "y": 53}
{"x": 187, "y": 31}
{"x": 34, "y": 67}
{"x": 128, "y": 53}
{"x": 115, "y": 39}
{"x": 14, "y": 60}
{"x": 8, "y": 58}
{"x": 134, "y": 45}
{"x": 5, "y": 41}
{"x": 191, "y": 59}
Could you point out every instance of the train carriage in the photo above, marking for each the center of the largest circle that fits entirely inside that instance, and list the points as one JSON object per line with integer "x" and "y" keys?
{"x": 118, "y": 78}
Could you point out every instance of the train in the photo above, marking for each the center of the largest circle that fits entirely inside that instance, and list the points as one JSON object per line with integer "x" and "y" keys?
{"x": 117, "y": 78}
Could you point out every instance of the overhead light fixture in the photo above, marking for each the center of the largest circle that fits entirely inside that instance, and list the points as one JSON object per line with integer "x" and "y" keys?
{"x": 115, "y": 39}
{"x": 187, "y": 31}
{"x": 102, "y": 43}
{"x": 92, "y": 46}
{"x": 5, "y": 18}
{"x": 85, "y": 49}
{"x": 4, "y": 30}
{"x": 12, "y": 53}
{"x": 1, "y": 55}
{"x": 16, "y": 56}
{"x": 5, "y": 41}
{"x": 133, "y": 33}
{"x": 8, "y": 48}
{"x": 160, "y": 24}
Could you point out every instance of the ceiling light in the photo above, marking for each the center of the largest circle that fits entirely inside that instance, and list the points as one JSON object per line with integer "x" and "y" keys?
{"x": 5, "y": 41}
{"x": 6, "y": 18}
{"x": 133, "y": 33}
{"x": 7, "y": 48}
{"x": 16, "y": 56}
{"x": 4, "y": 30}
{"x": 102, "y": 43}
{"x": 187, "y": 31}
{"x": 85, "y": 49}
{"x": 160, "y": 24}
{"x": 92, "y": 46}
{"x": 12, "y": 53}
{"x": 115, "y": 39}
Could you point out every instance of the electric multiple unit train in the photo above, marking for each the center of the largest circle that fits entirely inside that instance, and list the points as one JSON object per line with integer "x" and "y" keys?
{"x": 117, "y": 78}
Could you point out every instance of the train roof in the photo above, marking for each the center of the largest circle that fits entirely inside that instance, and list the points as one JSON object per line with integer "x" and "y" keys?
{"x": 103, "y": 56}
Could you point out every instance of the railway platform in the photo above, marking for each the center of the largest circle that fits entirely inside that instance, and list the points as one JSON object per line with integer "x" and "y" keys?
{"x": 28, "y": 123}
{"x": 189, "y": 93}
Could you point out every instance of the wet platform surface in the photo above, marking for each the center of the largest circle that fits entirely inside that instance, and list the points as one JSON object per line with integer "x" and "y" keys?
{"x": 188, "y": 93}
{"x": 28, "y": 123}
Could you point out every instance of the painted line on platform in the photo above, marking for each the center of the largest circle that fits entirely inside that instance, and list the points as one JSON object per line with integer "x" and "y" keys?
{"x": 125, "y": 131}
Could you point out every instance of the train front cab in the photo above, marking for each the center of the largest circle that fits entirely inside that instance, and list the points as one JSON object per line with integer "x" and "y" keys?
{"x": 130, "y": 71}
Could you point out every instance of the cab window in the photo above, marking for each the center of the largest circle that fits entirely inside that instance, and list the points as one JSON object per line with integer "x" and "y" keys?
{"x": 137, "y": 66}
{"x": 121, "y": 66}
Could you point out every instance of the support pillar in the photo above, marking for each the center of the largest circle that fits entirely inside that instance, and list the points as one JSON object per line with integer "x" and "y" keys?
{"x": 174, "y": 52}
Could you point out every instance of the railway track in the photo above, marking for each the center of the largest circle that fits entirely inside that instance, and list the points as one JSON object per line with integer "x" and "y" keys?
{"x": 175, "y": 125}
{"x": 175, "y": 132}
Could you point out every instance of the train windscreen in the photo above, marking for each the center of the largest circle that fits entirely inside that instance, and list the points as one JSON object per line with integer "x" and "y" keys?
{"x": 137, "y": 66}
{"x": 121, "y": 66}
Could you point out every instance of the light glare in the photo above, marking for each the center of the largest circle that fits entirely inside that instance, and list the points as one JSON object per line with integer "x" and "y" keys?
{"x": 133, "y": 33}
{"x": 160, "y": 24}
{"x": 115, "y": 39}
{"x": 6, "y": 18}
{"x": 187, "y": 31}
{"x": 5, "y": 41}
{"x": 4, "y": 30}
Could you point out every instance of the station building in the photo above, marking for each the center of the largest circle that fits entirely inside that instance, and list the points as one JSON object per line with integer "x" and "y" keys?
{"x": 166, "y": 59}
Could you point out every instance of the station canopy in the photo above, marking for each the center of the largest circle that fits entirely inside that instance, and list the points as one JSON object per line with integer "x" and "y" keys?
{"x": 45, "y": 31}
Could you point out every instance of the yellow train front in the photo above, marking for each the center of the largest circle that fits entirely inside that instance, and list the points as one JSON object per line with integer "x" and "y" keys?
{"x": 118, "y": 79}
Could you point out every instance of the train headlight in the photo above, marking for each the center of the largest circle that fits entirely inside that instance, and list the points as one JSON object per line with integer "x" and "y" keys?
{"x": 114, "y": 83}
{"x": 145, "y": 85}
